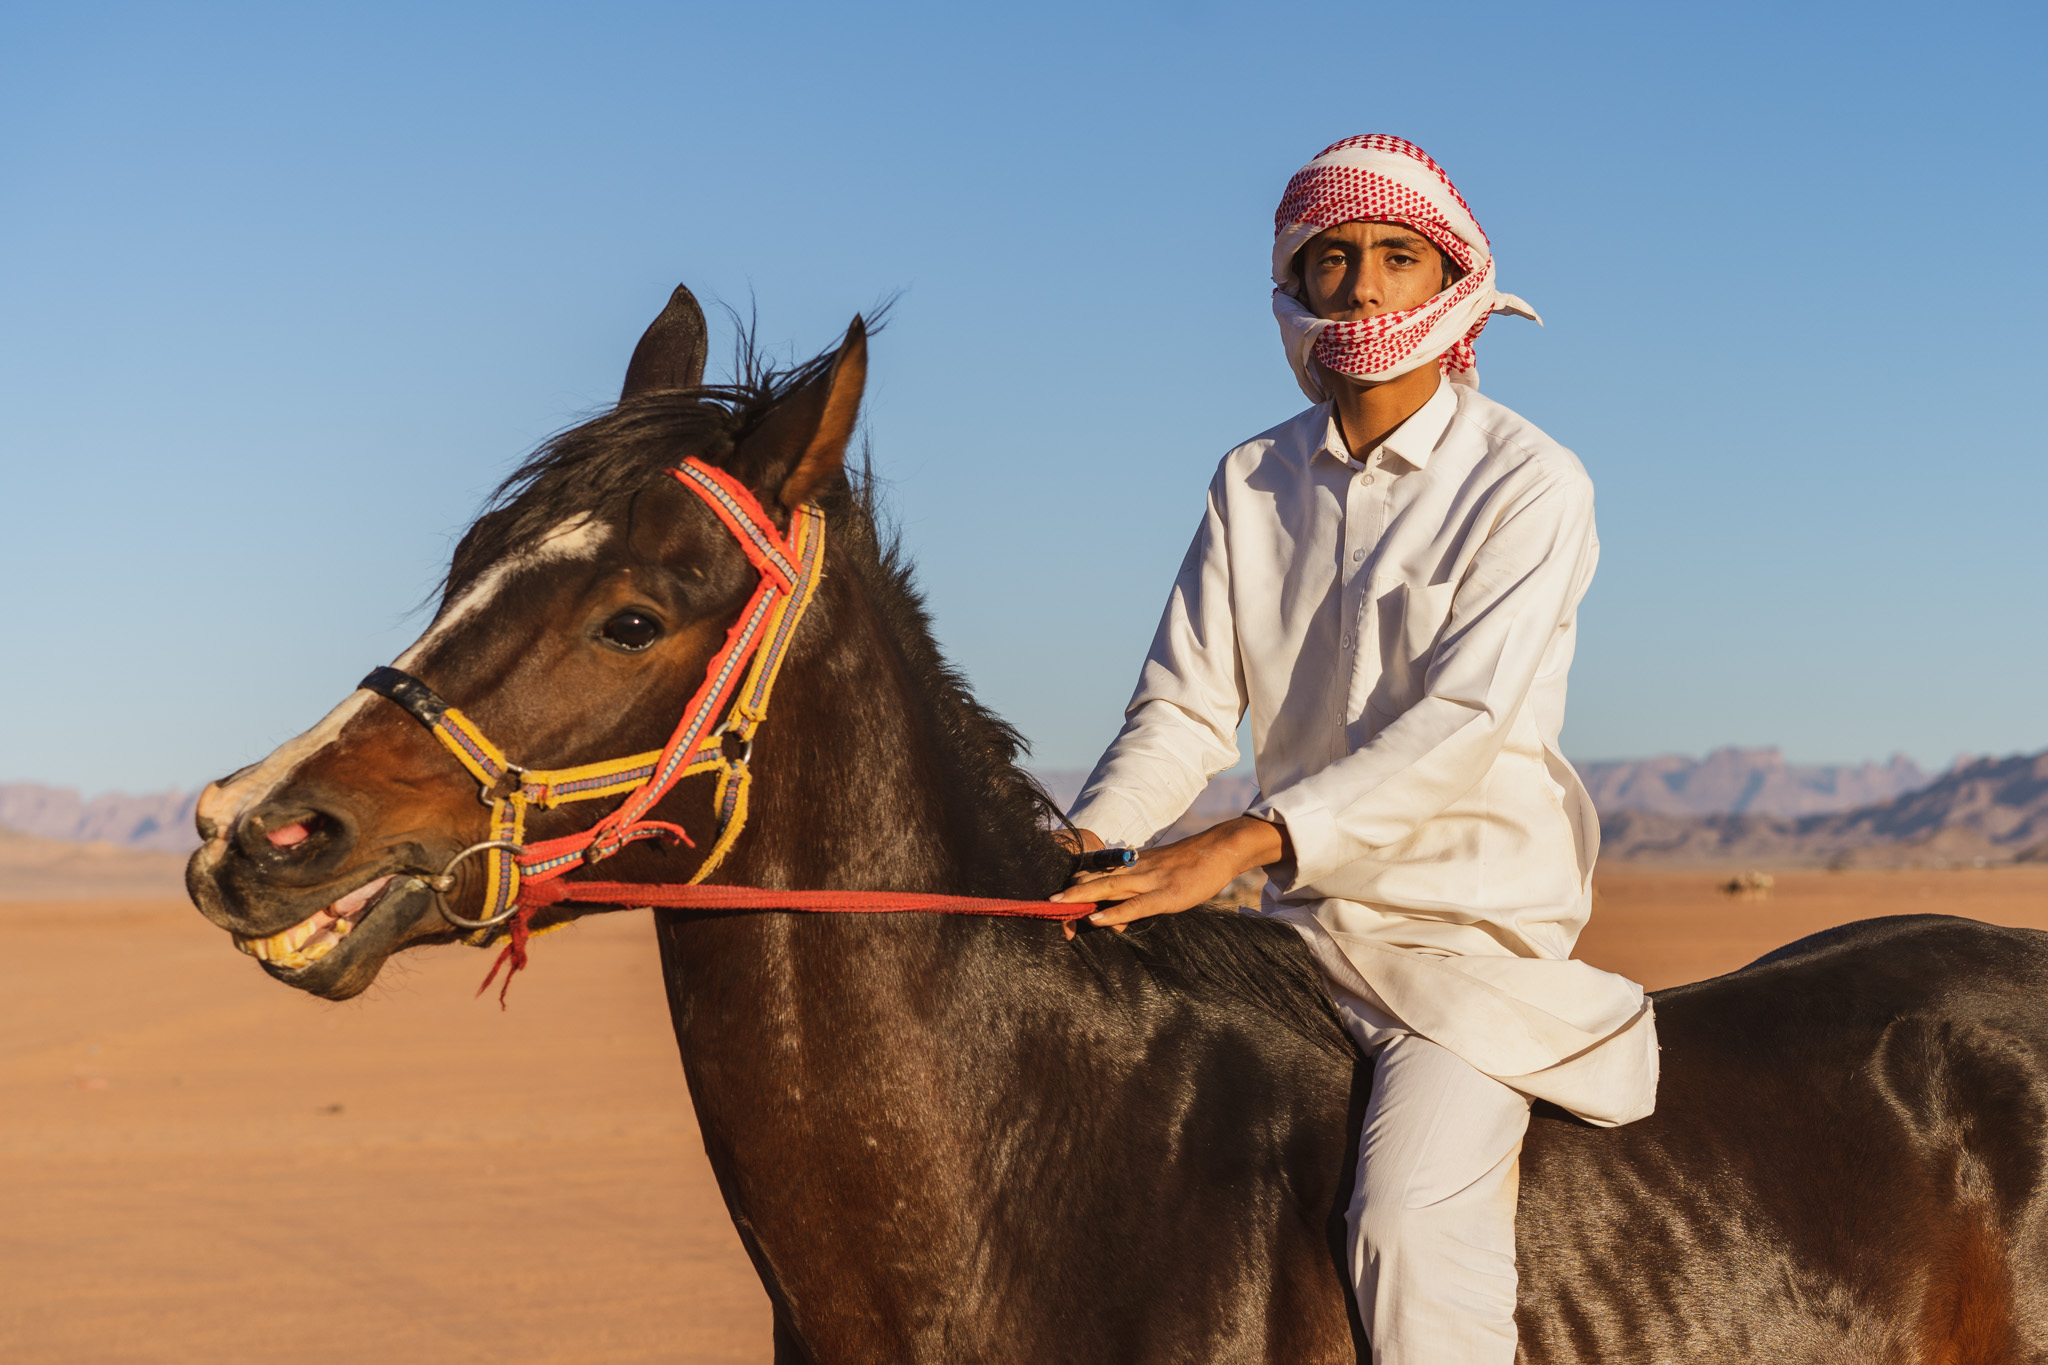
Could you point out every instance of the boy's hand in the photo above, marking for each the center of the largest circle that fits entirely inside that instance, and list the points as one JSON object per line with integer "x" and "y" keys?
{"x": 1178, "y": 876}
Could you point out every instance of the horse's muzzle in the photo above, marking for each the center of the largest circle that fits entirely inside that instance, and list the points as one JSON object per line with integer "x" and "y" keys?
{"x": 337, "y": 948}
{"x": 292, "y": 881}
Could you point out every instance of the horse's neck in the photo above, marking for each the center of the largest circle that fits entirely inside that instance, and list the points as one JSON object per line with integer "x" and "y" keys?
{"x": 859, "y": 784}
{"x": 822, "y": 1049}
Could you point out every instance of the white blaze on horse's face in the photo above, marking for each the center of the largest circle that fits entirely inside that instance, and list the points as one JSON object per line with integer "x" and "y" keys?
{"x": 222, "y": 804}
{"x": 578, "y": 537}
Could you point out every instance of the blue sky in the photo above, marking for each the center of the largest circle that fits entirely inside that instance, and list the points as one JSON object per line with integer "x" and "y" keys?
{"x": 284, "y": 291}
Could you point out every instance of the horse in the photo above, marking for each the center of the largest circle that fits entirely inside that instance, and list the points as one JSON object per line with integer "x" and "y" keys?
{"x": 956, "y": 1138}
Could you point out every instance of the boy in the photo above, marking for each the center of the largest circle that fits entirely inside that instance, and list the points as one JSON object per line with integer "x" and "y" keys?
{"x": 1389, "y": 584}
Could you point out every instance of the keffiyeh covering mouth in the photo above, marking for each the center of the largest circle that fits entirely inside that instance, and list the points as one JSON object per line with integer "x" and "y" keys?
{"x": 1377, "y": 178}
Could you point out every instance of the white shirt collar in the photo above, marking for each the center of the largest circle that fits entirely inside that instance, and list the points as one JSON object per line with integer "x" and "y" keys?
{"x": 1413, "y": 440}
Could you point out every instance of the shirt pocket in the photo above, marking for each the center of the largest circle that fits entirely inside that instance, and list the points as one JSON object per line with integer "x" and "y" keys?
{"x": 1412, "y": 619}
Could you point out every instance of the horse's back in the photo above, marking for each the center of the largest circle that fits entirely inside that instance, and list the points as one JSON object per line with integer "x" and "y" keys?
{"x": 1847, "y": 1162}
{"x": 1948, "y": 935}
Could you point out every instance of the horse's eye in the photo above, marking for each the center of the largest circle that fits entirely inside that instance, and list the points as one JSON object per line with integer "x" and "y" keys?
{"x": 630, "y": 629}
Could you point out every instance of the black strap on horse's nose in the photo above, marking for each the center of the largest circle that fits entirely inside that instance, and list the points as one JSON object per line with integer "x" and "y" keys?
{"x": 420, "y": 701}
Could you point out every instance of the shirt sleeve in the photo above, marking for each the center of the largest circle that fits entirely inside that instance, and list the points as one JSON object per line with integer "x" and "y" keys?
{"x": 1520, "y": 590}
{"x": 1180, "y": 728}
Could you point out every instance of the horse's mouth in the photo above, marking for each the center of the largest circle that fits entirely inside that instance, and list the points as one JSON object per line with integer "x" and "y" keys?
{"x": 320, "y": 933}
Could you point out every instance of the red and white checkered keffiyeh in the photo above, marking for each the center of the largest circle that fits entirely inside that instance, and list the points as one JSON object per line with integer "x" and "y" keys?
{"x": 1382, "y": 179}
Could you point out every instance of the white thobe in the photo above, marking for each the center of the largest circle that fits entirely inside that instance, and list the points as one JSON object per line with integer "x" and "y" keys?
{"x": 1399, "y": 632}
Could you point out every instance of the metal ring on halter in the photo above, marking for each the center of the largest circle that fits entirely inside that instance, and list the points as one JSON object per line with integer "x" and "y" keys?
{"x": 746, "y": 754}
{"x": 509, "y": 781}
{"x": 446, "y": 882}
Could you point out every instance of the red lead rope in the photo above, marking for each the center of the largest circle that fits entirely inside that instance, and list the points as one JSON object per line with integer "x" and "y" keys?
{"x": 700, "y": 896}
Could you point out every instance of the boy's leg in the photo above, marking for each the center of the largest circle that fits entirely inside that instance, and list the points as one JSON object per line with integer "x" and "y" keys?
{"x": 1432, "y": 1219}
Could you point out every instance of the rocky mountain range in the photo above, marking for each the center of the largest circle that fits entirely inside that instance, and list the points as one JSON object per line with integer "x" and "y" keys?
{"x": 1748, "y": 806}
{"x": 1725, "y": 782}
{"x": 1991, "y": 811}
{"x": 1746, "y": 782}
{"x": 157, "y": 821}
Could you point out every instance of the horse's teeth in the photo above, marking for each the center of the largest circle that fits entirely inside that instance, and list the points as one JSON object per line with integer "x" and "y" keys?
{"x": 295, "y": 947}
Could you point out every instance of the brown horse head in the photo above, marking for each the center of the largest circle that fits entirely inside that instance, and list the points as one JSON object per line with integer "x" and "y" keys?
{"x": 576, "y": 618}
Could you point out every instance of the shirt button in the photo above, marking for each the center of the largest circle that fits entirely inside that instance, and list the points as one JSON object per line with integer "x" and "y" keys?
{"x": 1358, "y": 556}
{"x": 1365, "y": 478}
{"x": 1347, "y": 642}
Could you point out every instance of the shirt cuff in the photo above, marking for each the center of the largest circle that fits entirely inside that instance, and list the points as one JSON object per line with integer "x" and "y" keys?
{"x": 1112, "y": 817}
{"x": 1310, "y": 831}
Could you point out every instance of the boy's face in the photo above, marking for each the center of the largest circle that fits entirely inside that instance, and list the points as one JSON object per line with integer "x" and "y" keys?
{"x": 1355, "y": 271}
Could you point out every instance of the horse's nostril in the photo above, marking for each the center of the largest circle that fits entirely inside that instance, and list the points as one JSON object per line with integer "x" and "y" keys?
{"x": 290, "y": 835}
{"x": 295, "y": 832}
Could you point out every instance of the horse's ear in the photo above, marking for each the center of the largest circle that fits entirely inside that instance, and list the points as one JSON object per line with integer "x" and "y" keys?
{"x": 802, "y": 444}
{"x": 671, "y": 351}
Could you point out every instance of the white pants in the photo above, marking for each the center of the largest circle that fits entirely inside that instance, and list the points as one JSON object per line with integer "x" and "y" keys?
{"x": 1432, "y": 1220}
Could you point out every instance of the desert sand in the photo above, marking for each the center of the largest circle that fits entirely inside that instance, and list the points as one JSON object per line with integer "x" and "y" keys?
{"x": 198, "y": 1164}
